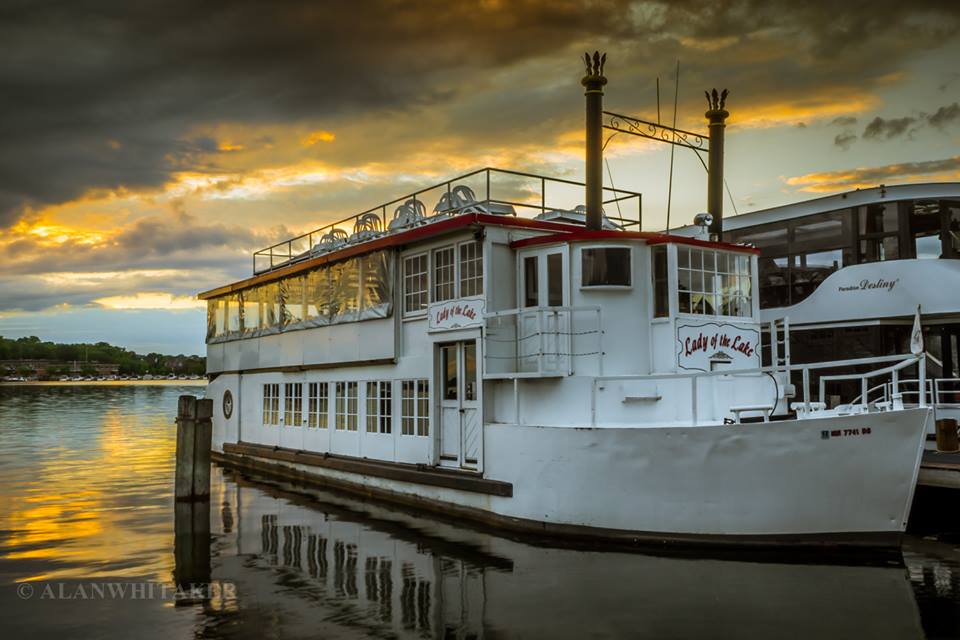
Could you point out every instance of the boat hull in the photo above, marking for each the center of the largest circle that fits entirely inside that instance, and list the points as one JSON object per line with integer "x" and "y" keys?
{"x": 846, "y": 481}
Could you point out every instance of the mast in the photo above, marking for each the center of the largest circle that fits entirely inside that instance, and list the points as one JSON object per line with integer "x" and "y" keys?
{"x": 716, "y": 116}
{"x": 593, "y": 83}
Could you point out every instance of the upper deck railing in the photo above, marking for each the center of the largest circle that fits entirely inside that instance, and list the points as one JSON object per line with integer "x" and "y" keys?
{"x": 488, "y": 190}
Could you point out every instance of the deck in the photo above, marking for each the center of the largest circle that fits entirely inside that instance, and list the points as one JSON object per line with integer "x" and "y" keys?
{"x": 940, "y": 470}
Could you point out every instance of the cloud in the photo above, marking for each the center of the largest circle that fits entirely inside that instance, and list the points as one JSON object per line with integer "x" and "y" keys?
{"x": 844, "y": 121}
{"x": 945, "y": 115}
{"x": 830, "y": 181}
{"x": 845, "y": 139}
{"x": 111, "y": 96}
{"x": 887, "y": 128}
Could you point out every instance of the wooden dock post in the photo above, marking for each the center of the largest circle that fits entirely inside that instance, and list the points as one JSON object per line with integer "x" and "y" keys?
{"x": 947, "y": 441}
{"x": 203, "y": 436}
{"x": 194, "y": 435}
{"x": 186, "y": 436}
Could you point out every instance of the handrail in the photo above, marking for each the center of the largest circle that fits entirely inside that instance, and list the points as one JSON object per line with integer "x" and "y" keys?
{"x": 904, "y": 360}
{"x": 285, "y": 252}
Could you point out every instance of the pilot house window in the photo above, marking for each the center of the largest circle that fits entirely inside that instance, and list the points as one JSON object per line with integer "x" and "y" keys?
{"x": 713, "y": 283}
{"x": 605, "y": 267}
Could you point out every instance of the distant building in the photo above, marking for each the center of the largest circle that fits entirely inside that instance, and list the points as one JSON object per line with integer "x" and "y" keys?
{"x": 41, "y": 368}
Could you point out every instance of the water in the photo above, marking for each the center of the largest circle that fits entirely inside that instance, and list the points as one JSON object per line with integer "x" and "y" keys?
{"x": 86, "y": 497}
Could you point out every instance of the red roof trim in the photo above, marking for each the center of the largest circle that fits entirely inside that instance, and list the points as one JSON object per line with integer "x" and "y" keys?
{"x": 581, "y": 235}
{"x": 393, "y": 240}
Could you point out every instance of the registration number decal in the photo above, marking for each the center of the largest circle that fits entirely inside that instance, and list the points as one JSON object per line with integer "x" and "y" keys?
{"x": 841, "y": 433}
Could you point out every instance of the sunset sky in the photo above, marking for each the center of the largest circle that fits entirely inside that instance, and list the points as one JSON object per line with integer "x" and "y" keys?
{"x": 147, "y": 148}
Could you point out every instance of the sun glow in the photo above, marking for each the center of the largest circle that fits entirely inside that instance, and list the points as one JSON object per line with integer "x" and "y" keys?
{"x": 150, "y": 300}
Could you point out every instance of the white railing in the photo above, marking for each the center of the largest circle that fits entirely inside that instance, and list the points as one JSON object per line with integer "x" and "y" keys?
{"x": 807, "y": 405}
{"x": 538, "y": 342}
{"x": 895, "y": 395}
{"x": 940, "y": 393}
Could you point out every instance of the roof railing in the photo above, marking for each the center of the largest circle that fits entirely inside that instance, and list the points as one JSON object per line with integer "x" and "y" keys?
{"x": 504, "y": 192}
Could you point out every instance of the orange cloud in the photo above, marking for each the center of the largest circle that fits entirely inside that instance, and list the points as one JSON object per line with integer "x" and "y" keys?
{"x": 149, "y": 300}
{"x": 316, "y": 137}
{"x": 861, "y": 177}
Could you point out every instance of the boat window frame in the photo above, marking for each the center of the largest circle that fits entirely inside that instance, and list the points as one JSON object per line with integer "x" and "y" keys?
{"x": 607, "y": 287}
{"x": 673, "y": 265}
{"x": 422, "y": 312}
{"x": 543, "y": 277}
{"x": 415, "y": 417}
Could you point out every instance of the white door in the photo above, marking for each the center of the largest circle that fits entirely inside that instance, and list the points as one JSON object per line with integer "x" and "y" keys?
{"x": 461, "y": 425}
{"x": 543, "y": 333}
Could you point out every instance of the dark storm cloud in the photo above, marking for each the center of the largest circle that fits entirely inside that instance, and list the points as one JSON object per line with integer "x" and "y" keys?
{"x": 845, "y": 139}
{"x": 945, "y": 116}
{"x": 888, "y": 128}
{"x": 105, "y": 93}
{"x": 98, "y": 93}
{"x": 844, "y": 121}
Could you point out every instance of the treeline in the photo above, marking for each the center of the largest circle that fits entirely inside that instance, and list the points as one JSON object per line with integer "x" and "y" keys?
{"x": 128, "y": 362}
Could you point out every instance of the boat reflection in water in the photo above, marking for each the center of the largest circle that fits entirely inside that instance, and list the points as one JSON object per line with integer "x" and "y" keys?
{"x": 335, "y": 566}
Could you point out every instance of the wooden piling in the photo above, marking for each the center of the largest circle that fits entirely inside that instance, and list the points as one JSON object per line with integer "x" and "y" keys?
{"x": 186, "y": 441}
{"x": 203, "y": 436}
{"x": 194, "y": 435}
{"x": 191, "y": 544}
{"x": 947, "y": 441}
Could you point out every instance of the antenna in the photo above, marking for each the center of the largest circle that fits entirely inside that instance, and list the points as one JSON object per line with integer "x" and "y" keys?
{"x": 613, "y": 186}
{"x": 676, "y": 95}
{"x": 658, "y": 99}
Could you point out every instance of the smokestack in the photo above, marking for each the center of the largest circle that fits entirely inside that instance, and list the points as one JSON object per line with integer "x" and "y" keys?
{"x": 593, "y": 84}
{"x": 716, "y": 115}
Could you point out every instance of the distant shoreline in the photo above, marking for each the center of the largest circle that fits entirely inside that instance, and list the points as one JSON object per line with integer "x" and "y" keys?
{"x": 106, "y": 383}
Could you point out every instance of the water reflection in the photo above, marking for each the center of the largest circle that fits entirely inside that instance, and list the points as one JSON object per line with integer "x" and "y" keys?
{"x": 86, "y": 493}
{"x": 380, "y": 572}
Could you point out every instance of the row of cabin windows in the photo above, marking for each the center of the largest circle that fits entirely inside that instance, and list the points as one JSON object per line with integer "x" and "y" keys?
{"x": 289, "y": 409}
{"x": 345, "y": 291}
{"x": 457, "y": 272}
{"x": 798, "y": 254}
{"x": 712, "y": 283}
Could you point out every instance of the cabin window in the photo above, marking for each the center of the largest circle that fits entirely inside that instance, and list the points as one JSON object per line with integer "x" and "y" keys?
{"x": 531, "y": 284}
{"x": 554, "y": 279}
{"x": 415, "y": 407}
{"x": 471, "y": 269}
{"x": 293, "y": 404}
{"x": 605, "y": 267}
{"x": 251, "y": 310}
{"x": 713, "y": 283}
{"x": 661, "y": 286}
{"x": 379, "y": 407}
{"x": 470, "y": 371}
{"x": 415, "y": 282}
{"x": 318, "y": 405}
{"x": 271, "y": 404}
{"x": 292, "y": 292}
{"x": 233, "y": 314}
{"x": 448, "y": 364}
{"x": 346, "y": 406}
{"x": 879, "y": 232}
{"x": 444, "y": 275}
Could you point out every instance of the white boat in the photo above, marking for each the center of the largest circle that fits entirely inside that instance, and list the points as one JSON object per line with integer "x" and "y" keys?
{"x": 849, "y": 271}
{"x": 543, "y": 377}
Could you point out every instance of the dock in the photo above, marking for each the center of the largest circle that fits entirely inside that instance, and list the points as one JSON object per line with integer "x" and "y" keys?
{"x": 940, "y": 470}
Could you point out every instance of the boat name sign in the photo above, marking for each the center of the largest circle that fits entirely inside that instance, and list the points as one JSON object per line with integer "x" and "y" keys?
{"x": 701, "y": 345}
{"x": 455, "y": 314}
